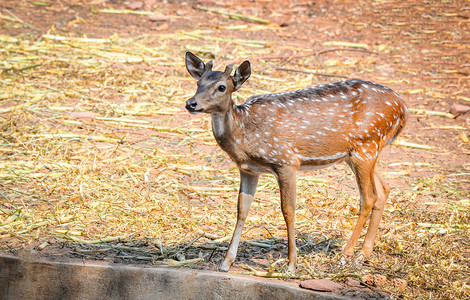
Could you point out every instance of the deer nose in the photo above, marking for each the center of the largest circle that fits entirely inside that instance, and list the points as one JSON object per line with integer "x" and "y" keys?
{"x": 191, "y": 105}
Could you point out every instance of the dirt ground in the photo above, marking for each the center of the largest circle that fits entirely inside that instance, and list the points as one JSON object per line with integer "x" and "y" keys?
{"x": 418, "y": 48}
{"x": 426, "y": 46}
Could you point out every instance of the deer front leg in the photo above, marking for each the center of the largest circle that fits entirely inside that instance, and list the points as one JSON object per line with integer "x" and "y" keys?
{"x": 248, "y": 183}
{"x": 286, "y": 180}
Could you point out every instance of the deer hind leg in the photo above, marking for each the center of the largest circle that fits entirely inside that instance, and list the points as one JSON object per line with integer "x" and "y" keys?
{"x": 364, "y": 171}
{"x": 248, "y": 183}
{"x": 382, "y": 194}
{"x": 286, "y": 180}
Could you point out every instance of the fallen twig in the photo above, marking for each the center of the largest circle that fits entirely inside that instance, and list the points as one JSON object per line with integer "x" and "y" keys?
{"x": 346, "y": 44}
{"x": 432, "y": 113}
{"x": 400, "y": 142}
{"x": 346, "y": 49}
{"x": 21, "y": 21}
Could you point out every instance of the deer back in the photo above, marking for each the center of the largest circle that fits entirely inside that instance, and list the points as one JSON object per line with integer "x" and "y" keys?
{"x": 319, "y": 125}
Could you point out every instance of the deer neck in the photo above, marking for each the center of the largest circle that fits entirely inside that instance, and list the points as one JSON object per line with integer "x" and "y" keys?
{"x": 223, "y": 126}
{"x": 222, "y": 123}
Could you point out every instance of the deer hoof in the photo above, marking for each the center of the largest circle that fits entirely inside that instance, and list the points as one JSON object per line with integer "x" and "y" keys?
{"x": 359, "y": 259}
{"x": 224, "y": 267}
{"x": 290, "y": 270}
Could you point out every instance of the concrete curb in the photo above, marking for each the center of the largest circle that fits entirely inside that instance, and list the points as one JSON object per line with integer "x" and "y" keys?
{"x": 36, "y": 279}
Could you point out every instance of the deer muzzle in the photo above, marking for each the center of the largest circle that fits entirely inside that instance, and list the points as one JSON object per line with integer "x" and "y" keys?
{"x": 193, "y": 107}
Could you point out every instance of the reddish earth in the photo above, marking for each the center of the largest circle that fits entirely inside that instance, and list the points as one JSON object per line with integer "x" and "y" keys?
{"x": 426, "y": 46}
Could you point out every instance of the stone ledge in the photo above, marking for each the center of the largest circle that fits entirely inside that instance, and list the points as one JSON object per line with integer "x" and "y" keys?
{"x": 39, "y": 279}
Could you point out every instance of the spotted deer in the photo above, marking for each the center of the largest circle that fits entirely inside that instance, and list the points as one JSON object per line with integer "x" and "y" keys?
{"x": 313, "y": 128}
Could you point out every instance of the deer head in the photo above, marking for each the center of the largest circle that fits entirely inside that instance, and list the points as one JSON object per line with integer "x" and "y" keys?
{"x": 214, "y": 88}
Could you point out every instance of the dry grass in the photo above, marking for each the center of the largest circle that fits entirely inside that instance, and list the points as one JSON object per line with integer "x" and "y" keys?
{"x": 95, "y": 148}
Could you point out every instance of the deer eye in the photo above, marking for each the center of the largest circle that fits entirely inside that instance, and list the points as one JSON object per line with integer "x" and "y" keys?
{"x": 222, "y": 88}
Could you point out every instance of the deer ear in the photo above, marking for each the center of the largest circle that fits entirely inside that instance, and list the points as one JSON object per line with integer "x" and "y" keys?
{"x": 194, "y": 65}
{"x": 242, "y": 73}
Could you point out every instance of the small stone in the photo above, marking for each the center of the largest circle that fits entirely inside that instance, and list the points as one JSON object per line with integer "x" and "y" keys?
{"x": 135, "y": 5}
{"x": 320, "y": 285}
{"x": 459, "y": 109}
{"x": 399, "y": 284}
{"x": 352, "y": 282}
{"x": 380, "y": 280}
{"x": 374, "y": 280}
